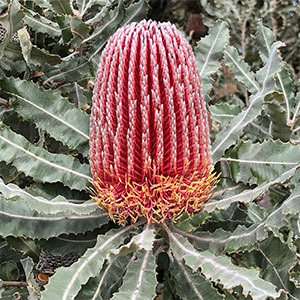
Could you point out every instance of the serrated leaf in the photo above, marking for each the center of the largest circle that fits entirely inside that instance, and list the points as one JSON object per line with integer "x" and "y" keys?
{"x": 16, "y": 219}
{"x": 50, "y": 112}
{"x": 220, "y": 269}
{"x": 191, "y": 286}
{"x": 230, "y": 134}
{"x": 61, "y": 6}
{"x": 25, "y": 43}
{"x": 246, "y": 238}
{"x": 41, "y": 24}
{"x": 277, "y": 261}
{"x": 40, "y": 164}
{"x": 209, "y": 50}
{"x": 121, "y": 16}
{"x": 240, "y": 69}
{"x": 279, "y": 128}
{"x": 33, "y": 287}
{"x": 265, "y": 38}
{"x": 261, "y": 162}
{"x": 11, "y": 21}
{"x": 139, "y": 281}
{"x": 135, "y": 12}
{"x": 79, "y": 30}
{"x": 102, "y": 33}
{"x": 107, "y": 282}
{"x": 67, "y": 282}
{"x": 224, "y": 112}
{"x": 57, "y": 205}
{"x": 241, "y": 239}
{"x": 102, "y": 13}
{"x": 142, "y": 241}
{"x": 72, "y": 70}
{"x": 249, "y": 195}
{"x": 290, "y": 207}
{"x": 38, "y": 57}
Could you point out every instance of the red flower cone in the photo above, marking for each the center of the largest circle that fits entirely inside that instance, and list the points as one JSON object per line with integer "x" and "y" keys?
{"x": 149, "y": 135}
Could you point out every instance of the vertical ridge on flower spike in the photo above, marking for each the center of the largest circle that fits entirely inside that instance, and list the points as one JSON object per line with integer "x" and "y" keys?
{"x": 149, "y": 142}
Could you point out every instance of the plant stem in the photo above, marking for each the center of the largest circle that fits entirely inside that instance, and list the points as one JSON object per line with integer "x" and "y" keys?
{"x": 15, "y": 283}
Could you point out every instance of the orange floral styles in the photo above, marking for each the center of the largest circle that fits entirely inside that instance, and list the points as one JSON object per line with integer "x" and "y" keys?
{"x": 150, "y": 149}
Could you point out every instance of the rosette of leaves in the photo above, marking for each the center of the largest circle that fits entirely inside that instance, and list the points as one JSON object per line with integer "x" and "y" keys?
{"x": 243, "y": 245}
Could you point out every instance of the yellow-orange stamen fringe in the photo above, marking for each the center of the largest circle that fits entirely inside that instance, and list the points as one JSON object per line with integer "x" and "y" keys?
{"x": 164, "y": 198}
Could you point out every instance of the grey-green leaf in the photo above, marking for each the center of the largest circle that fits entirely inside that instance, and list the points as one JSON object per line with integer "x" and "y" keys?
{"x": 140, "y": 280}
{"x": 262, "y": 162}
{"x": 67, "y": 282}
{"x": 41, "y": 24}
{"x": 191, "y": 286}
{"x": 240, "y": 69}
{"x": 40, "y": 164}
{"x": 33, "y": 287}
{"x": 16, "y": 219}
{"x": 57, "y": 205}
{"x": 220, "y": 269}
{"x": 209, "y": 50}
{"x": 230, "y": 134}
{"x": 50, "y": 112}
{"x": 249, "y": 195}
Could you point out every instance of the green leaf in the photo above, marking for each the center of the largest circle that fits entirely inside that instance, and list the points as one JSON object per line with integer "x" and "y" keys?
{"x": 61, "y": 7}
{"x": 241, "y": 239}
{"x": 57, "y": 205}
{"x": 108, "y": 282}
{"x": 16, "y": 219}
{"x": 121, "y": 16}
{"x": 12, "y": 21}
{"x": 276, "y": 263}
{"x": 25, "y": 43}
{"x": 240, "y": 69}
{"x": 79, "y": 30}
{"x": 50, "y": 112}
{"x": 279, "y": 128}
{"x": 41, "y": 24}
{"x": 249, "y": 195}
{"x": 135, "y": 12}
{"x": 8, "y": 269}
{"x": 67, "y": 282}
{"x": 40, "y": 164}
{"x": 247, "y": 238}
{"x": 72, "y": 70}
{"x": 102, "y": 33}
{"x": 265, "y": 38}
{"x": 33, "y": 287}
{"x": 261, "y": 162}
{"x": 220, "y": 269}
{"x": 142, "y": 241}
{"x": 280, "y": 217}
{"x": 230, "y": 134}
{"x": 209, "y": 52}
{"x": 224, "y": 113}
{"x": 38, "y": 56}
{"x": 139, "y": 281}
{"x": 191, "y": 286}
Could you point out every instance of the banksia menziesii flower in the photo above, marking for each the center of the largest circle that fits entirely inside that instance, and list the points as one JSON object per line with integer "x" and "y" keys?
{"x": 149, "y": 138}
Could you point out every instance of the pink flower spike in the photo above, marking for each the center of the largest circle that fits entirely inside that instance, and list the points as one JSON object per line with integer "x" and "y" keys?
{"x": 149, "y": 135}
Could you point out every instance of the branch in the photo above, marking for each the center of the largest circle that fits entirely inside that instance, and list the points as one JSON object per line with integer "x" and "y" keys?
{"x": 15, "y": 283}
